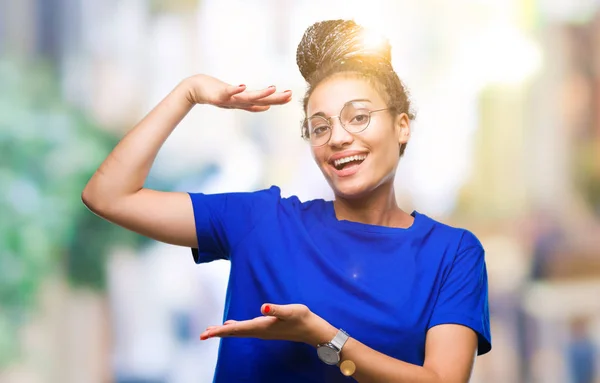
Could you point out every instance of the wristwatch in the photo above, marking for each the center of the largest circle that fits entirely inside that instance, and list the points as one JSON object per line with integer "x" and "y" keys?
{"x": 329, "y": 352}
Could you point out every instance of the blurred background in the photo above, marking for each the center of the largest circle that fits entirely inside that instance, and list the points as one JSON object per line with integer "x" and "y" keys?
{"x": 506, "y": 143}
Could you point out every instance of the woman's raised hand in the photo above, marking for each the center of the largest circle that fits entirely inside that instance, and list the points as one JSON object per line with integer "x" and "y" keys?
{"x": 203, "y": 89}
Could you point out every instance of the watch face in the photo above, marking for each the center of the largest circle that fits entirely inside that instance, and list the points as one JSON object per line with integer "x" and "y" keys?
{"x": 328, "y": 355}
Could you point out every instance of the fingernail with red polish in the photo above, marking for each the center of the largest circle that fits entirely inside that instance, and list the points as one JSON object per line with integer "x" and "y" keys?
{"x": 272, "y": 86}
{"x": 241, "y": 85}
{"x": 267, "y": 309}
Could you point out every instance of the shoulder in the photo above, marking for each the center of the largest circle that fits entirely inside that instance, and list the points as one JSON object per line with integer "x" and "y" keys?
{"x": 295, "y": 203}
{"x": 460, "y": 238}
{"x": 269, "y": 202}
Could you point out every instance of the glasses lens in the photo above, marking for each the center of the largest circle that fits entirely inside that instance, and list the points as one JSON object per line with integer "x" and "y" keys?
{"x": 318, "y": 130}
{"x": 355, "y": 117}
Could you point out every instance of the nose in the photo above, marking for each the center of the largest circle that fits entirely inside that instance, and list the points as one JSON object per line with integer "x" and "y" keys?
{"x": 339, "y": 136}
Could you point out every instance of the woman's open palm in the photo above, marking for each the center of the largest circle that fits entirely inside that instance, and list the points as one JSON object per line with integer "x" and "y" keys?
{"x": 209, "y": 90}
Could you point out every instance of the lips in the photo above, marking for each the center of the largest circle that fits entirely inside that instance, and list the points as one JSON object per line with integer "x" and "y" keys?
{"x": 350, "y": 169}
{"x": 340, "y": 163}
{"x": 345, "y": 155}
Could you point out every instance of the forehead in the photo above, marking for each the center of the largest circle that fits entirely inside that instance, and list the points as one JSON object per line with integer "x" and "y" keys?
{"x": 330, "y": 95}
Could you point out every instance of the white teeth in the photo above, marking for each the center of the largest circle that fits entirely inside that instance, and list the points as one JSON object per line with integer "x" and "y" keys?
{"x": 359, "y": 157}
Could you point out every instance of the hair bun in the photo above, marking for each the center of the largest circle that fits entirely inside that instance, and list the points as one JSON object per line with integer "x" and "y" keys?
{"x": 332, "y": 41}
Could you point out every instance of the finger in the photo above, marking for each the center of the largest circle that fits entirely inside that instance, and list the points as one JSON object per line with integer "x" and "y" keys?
{"x": 208, "y": 332}
{"x": 267, "y": 309}
{"x": 279, "y": 311}
{"x": 218, "y": 331}
{"x": 256, "y": 108}
{"x": 204, "y": 335}
{"x": 233, "y": 90}
{"x": 284, "y": 311}
{"x": 257, "y": 327}
{"x": 275, "y": 99}
{"x": 249, "y": 97}
{"x": 209, "y": 329}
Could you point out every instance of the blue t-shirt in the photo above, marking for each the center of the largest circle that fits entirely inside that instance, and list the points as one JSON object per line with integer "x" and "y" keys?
{"x": 384, "y": 286}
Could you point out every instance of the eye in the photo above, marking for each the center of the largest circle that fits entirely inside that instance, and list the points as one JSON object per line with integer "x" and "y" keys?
{"x": 318, "y": 126}
{"x": 319, "y": 130}
{"x": 360, "y": 118}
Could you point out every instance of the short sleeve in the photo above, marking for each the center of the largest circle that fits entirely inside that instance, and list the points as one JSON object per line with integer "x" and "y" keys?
{"x": 463, "y": 296}
{"x": 224, "y": 220}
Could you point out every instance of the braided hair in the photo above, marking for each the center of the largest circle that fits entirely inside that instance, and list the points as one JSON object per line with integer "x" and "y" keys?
{"x": 339, "y": 46}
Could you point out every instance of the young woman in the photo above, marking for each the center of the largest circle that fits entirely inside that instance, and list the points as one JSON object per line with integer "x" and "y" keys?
{"x": 409, "y": 293}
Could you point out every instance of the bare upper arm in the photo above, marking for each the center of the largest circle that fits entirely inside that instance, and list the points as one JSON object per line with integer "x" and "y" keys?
{"x": 164, "y": 216}
{"x": 450, "y": 351}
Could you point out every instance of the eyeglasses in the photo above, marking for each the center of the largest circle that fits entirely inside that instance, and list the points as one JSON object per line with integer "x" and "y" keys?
{"x": 354, "y": 118}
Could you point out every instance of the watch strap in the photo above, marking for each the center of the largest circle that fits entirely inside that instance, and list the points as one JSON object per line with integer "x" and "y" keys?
{"x": 340, "y": 339}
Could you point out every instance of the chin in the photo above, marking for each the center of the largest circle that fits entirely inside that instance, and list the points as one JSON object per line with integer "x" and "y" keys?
{"x": 360, "y": 186}
{"x": 353, "y": 187}
{"x": 356, "y": 183}
{"x": 350, "y": 190}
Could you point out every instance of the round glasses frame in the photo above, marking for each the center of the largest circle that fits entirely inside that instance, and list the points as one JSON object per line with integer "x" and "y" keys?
{"x": 306, "y": 133}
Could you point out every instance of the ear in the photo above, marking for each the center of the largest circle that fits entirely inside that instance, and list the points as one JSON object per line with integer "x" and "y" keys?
{"x": 402, "y": 126}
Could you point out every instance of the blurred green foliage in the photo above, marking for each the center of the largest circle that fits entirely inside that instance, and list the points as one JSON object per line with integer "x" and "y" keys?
{"x": 48, "y": 151}
{"x": 586, "y": 169}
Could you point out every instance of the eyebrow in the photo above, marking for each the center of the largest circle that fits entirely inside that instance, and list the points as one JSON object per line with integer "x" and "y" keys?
{"x": 346, "y": 103}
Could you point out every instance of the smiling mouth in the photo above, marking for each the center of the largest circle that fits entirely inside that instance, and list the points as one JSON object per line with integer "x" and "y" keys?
{"x": 349, "y": 161}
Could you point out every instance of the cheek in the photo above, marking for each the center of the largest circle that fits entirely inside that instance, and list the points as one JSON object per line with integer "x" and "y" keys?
{"x": 318, "y": 155}
{"x": 388, "y": 150}
{"x": 383, "y": 140}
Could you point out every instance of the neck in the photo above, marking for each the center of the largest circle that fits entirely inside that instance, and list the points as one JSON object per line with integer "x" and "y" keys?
{"x": 377, "y": 208}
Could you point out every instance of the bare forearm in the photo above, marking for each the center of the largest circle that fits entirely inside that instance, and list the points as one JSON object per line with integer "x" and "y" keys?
{"x": 440, "y": 365}
{"x": 125, "y": 170}
{"x": 374, "y": 367}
